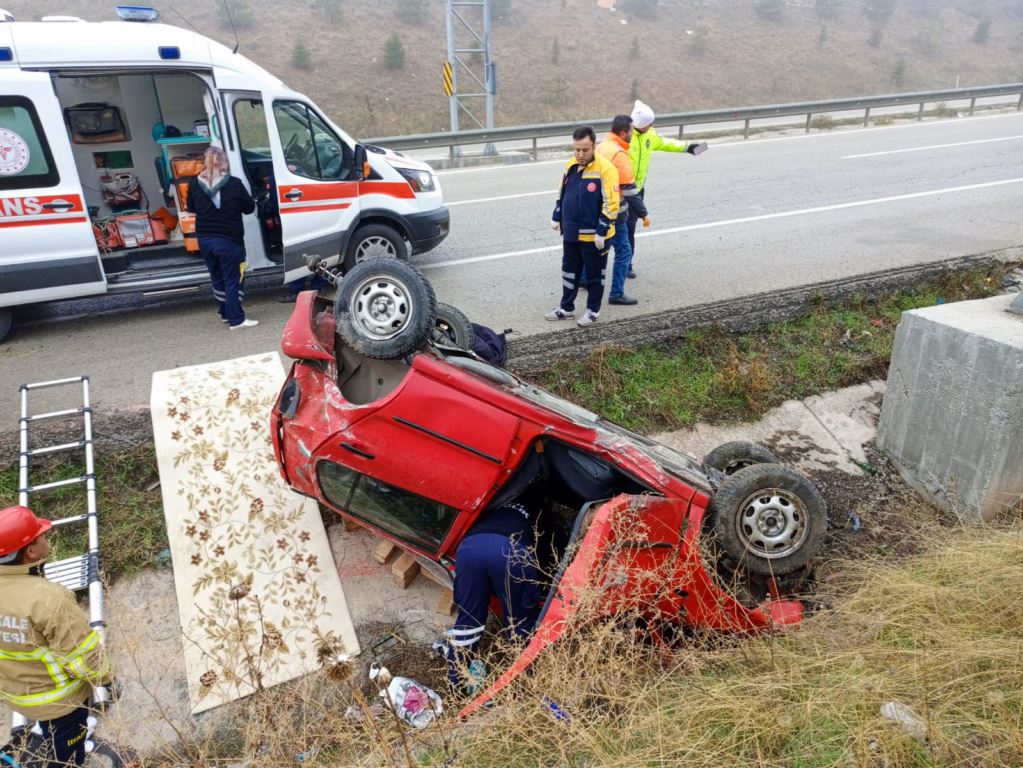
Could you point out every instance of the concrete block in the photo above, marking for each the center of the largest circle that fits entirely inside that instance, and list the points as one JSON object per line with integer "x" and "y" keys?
{"x": 952, "y": 417}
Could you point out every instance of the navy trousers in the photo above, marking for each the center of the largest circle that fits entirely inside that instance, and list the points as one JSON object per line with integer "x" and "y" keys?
{"x": 224, "y": 259}
{"x": 489, "y": 565}
{"x": 576, "y": 258}
{"x": 62, "y": 742}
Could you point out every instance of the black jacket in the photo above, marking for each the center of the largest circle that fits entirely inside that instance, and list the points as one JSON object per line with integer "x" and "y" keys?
{"x": 225, "y": 221}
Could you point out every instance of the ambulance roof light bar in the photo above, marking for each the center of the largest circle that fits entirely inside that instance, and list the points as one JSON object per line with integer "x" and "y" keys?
{"x": 137, "y": 13}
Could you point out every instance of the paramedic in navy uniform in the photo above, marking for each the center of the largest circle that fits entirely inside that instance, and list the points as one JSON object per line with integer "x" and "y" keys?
{"x": 496, "y": 558}
{"x": 218, "y": 201}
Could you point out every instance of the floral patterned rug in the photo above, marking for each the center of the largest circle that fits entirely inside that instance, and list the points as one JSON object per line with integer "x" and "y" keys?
{"x": 257, "y": 589}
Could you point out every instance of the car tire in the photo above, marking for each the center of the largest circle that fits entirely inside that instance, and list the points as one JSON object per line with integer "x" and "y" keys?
{"x": 452, "y": 328}
{"x": 385, "y": 308}
{"x": 6, "y": 322}
{"x": 375, "y": 241}
{"x": 769, "y": 519}
{"x": 729, "y": 458}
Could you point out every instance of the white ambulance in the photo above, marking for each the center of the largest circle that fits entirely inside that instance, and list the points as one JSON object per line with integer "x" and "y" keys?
{"x": 96, "y": 117}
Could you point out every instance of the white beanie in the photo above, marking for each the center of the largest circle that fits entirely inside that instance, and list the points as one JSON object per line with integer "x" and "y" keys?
{"x": 642, "y": 115}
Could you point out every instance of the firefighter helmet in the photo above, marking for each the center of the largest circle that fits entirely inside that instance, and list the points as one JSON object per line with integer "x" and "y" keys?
{"x": 19, "y": 527}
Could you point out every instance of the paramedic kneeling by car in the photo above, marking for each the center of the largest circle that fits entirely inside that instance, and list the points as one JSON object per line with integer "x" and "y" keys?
{"x": 496, "y": 558}
{"x": 49, "y": 655}
{"x": 218, "y": 201}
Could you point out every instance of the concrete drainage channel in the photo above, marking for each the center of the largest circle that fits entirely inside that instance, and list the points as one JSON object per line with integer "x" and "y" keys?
{"x": 536, "y": 353}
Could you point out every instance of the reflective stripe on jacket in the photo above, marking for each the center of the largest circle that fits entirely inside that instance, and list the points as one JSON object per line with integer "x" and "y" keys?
{"x": 588, "y": 200}
{"x": 645, "y": 144}
{"x": 49, "y": 655}
{"x": 615, "y": 149}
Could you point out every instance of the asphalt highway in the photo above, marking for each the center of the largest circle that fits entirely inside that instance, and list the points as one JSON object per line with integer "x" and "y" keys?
{"x": 744, "y": 217}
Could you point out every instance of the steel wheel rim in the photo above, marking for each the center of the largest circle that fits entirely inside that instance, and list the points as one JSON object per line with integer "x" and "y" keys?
{"x": 381, "y": 307}
{"x": 772, "y": 523}
{"x": 375, "y": 247}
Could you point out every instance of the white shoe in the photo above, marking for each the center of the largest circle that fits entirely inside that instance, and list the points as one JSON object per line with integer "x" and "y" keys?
{"x": 587, "y": 319}
{"x": 559, "y": 314}
{"x": 245, "y": 324}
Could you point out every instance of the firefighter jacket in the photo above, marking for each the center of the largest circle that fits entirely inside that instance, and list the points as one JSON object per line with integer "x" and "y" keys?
{"x": 49, "y": 655}
{"x": 616, "y": 149}
{"x": 643, "y": 145}
{"x": 588, "y": 200}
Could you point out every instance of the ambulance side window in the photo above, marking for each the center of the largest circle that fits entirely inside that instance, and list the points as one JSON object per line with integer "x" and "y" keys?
{"x": 310, "y": 147}
{"x": 25, "y": 158}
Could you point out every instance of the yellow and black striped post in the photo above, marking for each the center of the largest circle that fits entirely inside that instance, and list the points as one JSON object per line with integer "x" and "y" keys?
{"x": 449, "y": 88}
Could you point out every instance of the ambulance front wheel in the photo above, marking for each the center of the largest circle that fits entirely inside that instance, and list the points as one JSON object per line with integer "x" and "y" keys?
{"x": 6, "y": 321}
{"x": 375, "y": 241}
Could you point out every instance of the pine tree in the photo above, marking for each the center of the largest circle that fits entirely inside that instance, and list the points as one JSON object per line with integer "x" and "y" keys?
{"x": 300, "y": 56}
{"x": 394, "y": 52}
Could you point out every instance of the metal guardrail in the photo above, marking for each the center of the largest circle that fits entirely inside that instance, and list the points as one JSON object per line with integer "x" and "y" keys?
{"x": 746, "y": 115}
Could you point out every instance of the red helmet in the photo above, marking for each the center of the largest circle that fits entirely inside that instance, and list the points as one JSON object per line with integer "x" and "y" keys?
{"x": 19, "y": 527}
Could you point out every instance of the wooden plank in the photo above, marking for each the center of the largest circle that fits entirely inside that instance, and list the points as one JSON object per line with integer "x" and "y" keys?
{"x": 382, "y": 552}
{"x": 445, "y": 603}
{"x": 404, "y": 570}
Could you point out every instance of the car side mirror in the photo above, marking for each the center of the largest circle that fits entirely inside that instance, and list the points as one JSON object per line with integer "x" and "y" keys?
{"x": 362, "y": 169}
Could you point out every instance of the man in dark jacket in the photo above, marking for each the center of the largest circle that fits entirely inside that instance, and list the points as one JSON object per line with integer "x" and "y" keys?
{"x": 497, "y": 558}
{"x": 219, "y": 200}
{"x": 584, "y": 214}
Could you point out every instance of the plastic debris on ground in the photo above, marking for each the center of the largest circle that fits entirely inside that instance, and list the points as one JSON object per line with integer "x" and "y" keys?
{"x": 413, "y": 702}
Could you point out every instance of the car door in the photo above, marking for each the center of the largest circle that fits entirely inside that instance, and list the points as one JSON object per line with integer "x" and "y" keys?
{"x": 316, "y": 184}
{"x": 47, "y": 247}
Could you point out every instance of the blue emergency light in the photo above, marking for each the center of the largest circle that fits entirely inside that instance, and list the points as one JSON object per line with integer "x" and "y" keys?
{"x": 136, "y": 13}
{"x": 6, "y": 54}
{"x": 170, "y": 52}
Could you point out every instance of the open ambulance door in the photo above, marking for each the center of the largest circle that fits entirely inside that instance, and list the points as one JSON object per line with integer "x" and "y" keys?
{"x": 49, "y": 251}
{"x": 316, "y": 181}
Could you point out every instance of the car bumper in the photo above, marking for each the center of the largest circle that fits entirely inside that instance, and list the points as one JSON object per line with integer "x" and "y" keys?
{"x": 428, "y": 230}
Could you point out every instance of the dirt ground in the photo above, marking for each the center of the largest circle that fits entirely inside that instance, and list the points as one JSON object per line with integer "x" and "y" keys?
{"x": 872, "y": 513}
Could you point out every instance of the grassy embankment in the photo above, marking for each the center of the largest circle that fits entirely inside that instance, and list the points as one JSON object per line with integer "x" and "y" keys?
{"x": 712, "y": 375}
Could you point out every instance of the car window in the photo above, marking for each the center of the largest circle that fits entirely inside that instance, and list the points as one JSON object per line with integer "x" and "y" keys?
{"x": 419, "y": 521}
{"x": 310, "y": 147}
{"x": 25, "y": 159}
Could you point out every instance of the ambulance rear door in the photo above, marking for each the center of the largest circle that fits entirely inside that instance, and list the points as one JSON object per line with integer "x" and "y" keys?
{"x": 47, "y": 247}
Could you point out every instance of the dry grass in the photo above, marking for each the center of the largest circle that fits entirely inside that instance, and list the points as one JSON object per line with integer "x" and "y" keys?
{"x": 941, "y": 633}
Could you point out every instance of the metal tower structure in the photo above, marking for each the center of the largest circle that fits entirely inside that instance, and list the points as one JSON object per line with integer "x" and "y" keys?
{"x": 472, "y": 62}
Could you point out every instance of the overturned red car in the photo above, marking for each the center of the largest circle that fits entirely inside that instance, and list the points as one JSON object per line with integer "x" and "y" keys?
{"x": 386, "y": 420}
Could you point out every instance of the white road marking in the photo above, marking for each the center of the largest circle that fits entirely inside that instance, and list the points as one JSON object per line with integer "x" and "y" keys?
{"x": 552, "y": 192}
{"x": 931, "y": 146}
{"x": 745, "y": 220}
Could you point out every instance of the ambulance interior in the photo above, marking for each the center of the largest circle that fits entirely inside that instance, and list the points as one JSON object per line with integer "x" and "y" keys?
{"x": 136, "y": 141}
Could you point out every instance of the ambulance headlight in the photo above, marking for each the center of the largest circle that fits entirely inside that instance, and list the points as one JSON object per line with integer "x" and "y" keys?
{"x": 420, "y": 181}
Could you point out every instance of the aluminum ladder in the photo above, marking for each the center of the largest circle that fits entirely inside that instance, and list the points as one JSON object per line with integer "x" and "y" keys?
{"x": 80, "y": 571}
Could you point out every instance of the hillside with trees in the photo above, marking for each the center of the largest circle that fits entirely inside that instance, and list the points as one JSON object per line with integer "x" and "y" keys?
{"x": 375, "y": 66}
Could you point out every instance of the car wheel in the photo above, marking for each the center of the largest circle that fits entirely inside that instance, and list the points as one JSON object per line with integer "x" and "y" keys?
{"x": 452, "y": 328}
{"x": 375, "y": 241}
{"x": 6, "y": 321}
{"x": 385, "y": 308}
{"x": 769, "y": 519}
{"x": 731, "y": 457}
